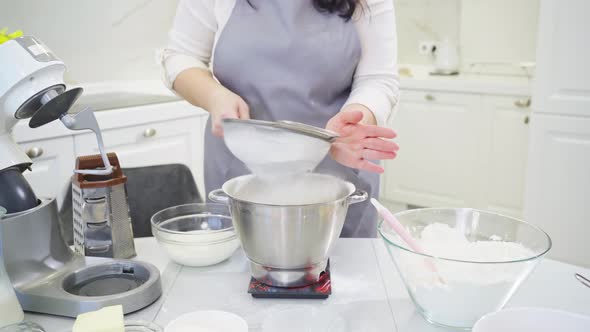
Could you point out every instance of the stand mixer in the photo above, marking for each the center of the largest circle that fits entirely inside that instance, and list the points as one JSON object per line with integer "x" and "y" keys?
{"x": 46, "y": 274}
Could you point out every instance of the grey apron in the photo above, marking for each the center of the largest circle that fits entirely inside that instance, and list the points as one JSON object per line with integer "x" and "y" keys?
{"x": 289, "y": 62}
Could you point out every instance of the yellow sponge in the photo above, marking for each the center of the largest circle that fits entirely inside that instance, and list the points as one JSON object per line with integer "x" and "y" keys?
{"x": 109, "y": 319}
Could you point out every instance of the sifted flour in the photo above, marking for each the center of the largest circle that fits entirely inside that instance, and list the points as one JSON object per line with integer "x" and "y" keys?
{"x": 470, "y": 290}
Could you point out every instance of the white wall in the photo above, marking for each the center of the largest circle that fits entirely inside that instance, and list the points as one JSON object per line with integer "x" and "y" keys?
{"x": 99, "y": 40}
{"x": 487, "y": 30}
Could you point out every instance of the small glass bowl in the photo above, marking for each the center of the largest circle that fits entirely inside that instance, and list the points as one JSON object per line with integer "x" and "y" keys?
{"x": 453, "y": 292}
{"x": 196, "y": 234}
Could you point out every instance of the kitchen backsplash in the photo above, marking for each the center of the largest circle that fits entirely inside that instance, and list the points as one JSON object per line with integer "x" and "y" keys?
{"x": 99, "y": 40}
{"x": 488, "y": 31}
{"x": 424, "y": 20}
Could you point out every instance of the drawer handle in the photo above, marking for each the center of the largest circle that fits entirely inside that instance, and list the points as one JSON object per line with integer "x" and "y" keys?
{"x": 523, "y": 103}
{"x": 150, "y": 132}
{"x": 429, "y": 97}
{"x": 35, "y": 152}
{"x": 527, "y": 119}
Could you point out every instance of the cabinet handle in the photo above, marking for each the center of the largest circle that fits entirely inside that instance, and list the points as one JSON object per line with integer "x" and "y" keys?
{"x": 150, "y": 132}
{"x": 429, "y": 97}
{"x": 523, "y": 103}
{"x": 35, "y": 152}
{"x": 527, "y": 119}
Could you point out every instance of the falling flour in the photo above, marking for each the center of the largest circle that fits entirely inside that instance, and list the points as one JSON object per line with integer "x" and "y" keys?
{"x": 457, "y": 294}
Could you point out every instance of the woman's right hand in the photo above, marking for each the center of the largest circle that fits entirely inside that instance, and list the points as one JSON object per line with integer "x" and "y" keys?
{"x": 225, "y": 104}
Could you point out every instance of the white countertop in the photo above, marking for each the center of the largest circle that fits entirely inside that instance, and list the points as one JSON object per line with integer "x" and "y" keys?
{"x": 366, "y": 291}
{"x": 420, "y": 79}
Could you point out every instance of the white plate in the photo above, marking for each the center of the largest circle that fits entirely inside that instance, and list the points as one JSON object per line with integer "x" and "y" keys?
{"x": 532, "y": 320}
{"x": 208, "y": 321}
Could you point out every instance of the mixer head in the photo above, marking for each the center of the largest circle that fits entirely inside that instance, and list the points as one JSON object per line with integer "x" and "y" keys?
{"x": 32, "y": 76}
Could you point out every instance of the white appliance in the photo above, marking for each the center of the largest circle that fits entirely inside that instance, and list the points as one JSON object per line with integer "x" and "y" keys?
{"x": 446, "y": 58}
{"x": 31, "y": 76}
{"x": 46, "y": 275}
{"x": 557, "y": 195}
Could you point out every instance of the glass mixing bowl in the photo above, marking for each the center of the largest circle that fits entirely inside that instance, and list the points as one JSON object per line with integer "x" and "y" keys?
{"x": 196, "y": 234}
{"x": 454, "y": 291}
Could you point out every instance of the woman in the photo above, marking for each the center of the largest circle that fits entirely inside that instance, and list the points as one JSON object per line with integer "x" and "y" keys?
{"x": 327, "y": 63}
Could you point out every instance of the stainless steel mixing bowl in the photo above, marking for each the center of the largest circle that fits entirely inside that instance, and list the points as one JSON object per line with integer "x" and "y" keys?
{"x": 288, "y": 245}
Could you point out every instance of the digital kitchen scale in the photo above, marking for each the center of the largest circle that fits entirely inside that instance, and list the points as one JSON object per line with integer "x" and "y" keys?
{"x": 320, "y": 290}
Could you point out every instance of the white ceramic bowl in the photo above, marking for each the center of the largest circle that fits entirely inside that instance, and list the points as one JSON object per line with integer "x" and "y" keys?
{"x": 532, "y": 320}
{"x": 196, "y": 234}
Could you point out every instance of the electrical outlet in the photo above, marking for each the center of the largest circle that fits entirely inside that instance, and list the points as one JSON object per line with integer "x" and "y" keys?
{"x": 426, "y": 47}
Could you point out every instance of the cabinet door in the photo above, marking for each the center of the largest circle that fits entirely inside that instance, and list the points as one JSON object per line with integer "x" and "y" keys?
{"x": 558, "y": 184}
{"x": 505, "y": 164}
{"x": 558, "y": 179}
{"x": 438, "y": 162}
{"x": 170, "y": 142}
{"x": 562, "y": 78}
{"x": 53, "y": 165}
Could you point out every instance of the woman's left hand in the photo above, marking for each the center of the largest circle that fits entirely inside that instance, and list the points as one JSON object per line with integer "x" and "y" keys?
{"x": 361, "y": 140}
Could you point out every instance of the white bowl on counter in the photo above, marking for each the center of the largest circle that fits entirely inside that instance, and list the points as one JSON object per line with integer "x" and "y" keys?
{"x": 196, "y": 234}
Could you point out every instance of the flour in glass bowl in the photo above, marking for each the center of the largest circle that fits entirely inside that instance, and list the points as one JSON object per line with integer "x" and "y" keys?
{"x": 468, "y": 290}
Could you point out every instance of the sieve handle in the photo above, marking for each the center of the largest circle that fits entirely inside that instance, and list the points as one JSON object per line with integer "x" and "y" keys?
{"x": 219, "y": 196}
{"x": 357, "y": 197}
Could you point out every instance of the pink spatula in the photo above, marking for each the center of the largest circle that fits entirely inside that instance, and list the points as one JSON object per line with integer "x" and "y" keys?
{"x": 403, "y": 233}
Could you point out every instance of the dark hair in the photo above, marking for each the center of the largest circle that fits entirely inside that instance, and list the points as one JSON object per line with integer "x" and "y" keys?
{"x": 344, "y": 8}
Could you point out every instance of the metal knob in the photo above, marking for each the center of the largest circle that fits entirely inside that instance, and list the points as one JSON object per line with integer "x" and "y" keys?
{"x": 429, "y": 97}
{"x": 523, "y": 103}
{"x": 527, "y": 119}
{"x": 35, "y": 152}
{"x": 150, "y": 132}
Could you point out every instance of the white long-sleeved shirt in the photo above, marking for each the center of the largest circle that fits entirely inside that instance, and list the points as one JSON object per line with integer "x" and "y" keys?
{"x": 199, "y": 23}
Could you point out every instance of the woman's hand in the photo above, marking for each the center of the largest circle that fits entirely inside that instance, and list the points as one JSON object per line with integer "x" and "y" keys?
{"x": 198, "y": 87}
{"x": 225, "y": 104}
{"x": 361, "y": 140}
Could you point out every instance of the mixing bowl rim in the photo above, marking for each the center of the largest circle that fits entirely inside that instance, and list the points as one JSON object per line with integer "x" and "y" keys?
{"x": 160, "y": 229}
{"x": 549, "y": 241}
{"x": 351, "y": 191}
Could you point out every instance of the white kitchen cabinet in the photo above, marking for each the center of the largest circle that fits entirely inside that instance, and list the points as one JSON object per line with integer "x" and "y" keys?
{"x": 459, "y": 150}
{"x": 438, "y": 162}
{"x": 144, "y": 135}
{"x": 558, "y": 184}
{"x": 167, "y": 142}
{"x": 53, "y": 165}
{"x": 504, "y": 159}
{"x": 562, "y": 82}
{"x": 557, "y": 191}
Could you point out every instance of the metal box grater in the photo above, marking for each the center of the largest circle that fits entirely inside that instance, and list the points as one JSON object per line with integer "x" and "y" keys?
{"x": 102, "y": 225}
